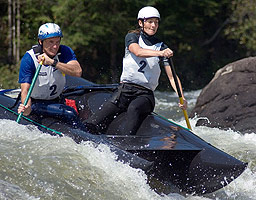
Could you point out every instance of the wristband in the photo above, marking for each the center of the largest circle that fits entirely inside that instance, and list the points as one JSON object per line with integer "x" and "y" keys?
{"x": 55, "y": 62}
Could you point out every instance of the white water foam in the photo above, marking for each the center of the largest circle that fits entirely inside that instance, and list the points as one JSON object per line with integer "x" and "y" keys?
{"x": 48, "y": 167}
{"x": 242, "y": 147}
{"x": 35, "y": 165}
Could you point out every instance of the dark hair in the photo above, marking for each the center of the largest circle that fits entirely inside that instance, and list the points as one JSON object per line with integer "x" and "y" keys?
{"x": 137, "y": 29}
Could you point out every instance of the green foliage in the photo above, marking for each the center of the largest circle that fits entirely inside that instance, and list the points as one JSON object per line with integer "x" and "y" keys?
{"x": 8, "y": 78}
{"x": 197, "y": 31}
{"x": 3, "y": 30}
{"x": 96, "y": 30}
{"x": 242, "y": 24}
{"x": 186, "y": 26}
{"x": 34, "y": 14}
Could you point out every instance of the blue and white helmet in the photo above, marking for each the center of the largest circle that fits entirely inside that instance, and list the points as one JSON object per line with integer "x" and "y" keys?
{"x": 148, "y": 12}
{"x": 49, "y": 30}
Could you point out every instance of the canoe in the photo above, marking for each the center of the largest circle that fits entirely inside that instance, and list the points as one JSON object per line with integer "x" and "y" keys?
{"x": 170, "y": 155}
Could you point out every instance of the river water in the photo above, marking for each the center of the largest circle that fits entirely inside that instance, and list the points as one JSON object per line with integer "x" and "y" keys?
{"x": 39, "y": 166}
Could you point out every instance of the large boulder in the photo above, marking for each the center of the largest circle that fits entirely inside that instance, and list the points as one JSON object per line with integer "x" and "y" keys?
{"x": 229, "y": 100}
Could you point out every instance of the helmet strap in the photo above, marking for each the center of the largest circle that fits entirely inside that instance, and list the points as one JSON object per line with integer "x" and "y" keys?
{"x": 143, "y": 24}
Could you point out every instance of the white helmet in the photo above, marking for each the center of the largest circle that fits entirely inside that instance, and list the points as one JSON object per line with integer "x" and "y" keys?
{"x": 49, "y": 30}
{"x": 148, "y": 12}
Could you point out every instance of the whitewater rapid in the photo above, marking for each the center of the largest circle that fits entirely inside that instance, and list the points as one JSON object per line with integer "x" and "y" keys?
{"x": 34, "y": 165}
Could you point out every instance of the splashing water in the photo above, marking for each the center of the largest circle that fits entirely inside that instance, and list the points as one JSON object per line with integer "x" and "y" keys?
{"x": 37, "y": 166}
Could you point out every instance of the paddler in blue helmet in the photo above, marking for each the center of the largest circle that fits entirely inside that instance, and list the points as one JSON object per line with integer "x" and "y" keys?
{"x": 58, "y": 60}
{"x": 144, "y": 54}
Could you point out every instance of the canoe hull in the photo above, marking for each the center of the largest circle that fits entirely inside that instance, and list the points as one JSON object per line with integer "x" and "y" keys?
{"x": 167, "y": 152}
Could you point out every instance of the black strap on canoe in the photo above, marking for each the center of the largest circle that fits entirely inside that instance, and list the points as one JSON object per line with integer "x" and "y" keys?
{"x": 16, "y": 102}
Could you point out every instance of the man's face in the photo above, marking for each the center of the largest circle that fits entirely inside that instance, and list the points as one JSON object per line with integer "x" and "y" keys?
{"x": 51, "y": 46}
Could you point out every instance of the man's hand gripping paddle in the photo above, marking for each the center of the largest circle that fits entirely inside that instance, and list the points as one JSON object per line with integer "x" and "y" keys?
{"x": 31, "y": 88}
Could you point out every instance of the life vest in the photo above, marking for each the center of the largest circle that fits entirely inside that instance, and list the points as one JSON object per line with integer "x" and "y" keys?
{"x": 139, "y": 70}
{"x": 50, "y": 81}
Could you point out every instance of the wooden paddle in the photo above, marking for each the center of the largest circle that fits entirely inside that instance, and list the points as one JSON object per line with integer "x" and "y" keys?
{"x": 31, "y": 88}
{"x": 179, "y": 92}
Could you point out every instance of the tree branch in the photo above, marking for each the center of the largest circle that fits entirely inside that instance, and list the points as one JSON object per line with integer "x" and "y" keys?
{"x": 216, "y": 33}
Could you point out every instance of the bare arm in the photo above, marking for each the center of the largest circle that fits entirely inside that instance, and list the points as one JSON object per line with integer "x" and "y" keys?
{"x": 171, "y": 79}
{"x": 140, "y": 52}
{"x": 71, "y": 68}
{"x": 24, "y": 91}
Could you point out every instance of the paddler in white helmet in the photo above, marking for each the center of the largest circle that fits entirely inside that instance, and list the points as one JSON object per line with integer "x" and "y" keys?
{"x": 57, "y": 61}
{"x": 141, "y": 71}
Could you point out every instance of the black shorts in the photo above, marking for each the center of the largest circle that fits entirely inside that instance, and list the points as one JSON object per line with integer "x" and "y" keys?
{"x": 127, "y": 92}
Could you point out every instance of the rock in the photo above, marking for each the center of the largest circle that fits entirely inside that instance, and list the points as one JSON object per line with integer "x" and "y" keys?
{"x": 229, "y": 100}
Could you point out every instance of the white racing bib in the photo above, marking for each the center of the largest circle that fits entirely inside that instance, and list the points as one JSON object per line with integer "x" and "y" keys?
{"x": 50, "y": 81}
{"x": 142, "y": 71}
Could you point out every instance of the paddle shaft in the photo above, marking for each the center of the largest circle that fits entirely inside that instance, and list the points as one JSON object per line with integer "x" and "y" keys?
{"x": 30, "y": 89}
{"x": 179, "y": 92}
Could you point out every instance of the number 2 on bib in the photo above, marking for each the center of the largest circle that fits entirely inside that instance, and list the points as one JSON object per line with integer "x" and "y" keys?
{"x": 143, "y": 64}
{"x": 53, "y": 89}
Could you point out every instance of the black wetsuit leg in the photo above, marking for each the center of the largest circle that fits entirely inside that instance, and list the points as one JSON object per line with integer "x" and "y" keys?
{"x": 137, "y": 111}
{"x": 102, "y": 117}
{"x": 137, "y": 101}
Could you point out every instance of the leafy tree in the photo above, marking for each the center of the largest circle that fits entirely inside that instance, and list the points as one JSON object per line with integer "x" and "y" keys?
{"x": 96, "y": 29}
{"x": 205, "y": 35}
{"x": 188, "y": 27}
{"x": 35, "y": 13}
{"x": 8, "y": 78}
{"x": 4, "y": 31}
{"x": 242, "y": 24}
